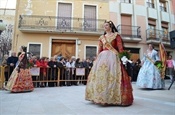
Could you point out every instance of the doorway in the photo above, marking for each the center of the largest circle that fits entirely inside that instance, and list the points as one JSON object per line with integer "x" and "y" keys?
{"x": 64, "y": 47}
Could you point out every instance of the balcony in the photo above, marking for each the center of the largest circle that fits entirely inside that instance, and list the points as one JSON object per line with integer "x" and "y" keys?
{"x": 126, "y": 8}
{"x": 150, "y": 5}
{"x": 157, "y": 36}
{"x": 125, "y": 1}
{"x": 130, "y": 33}
{"x": 163, "y": 9}
{"x": 164, "y": 16}
{"x": 60, "y": 25}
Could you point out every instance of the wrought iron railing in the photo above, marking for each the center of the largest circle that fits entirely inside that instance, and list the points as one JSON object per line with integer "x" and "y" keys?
{"x": 150, "y": 5}
{"x": 163, "y": 8}
{"x": 125, "y": 1}
{"x": 129, "y": 31}
{"x": 157, "y": 35}
{"x": 53, "y": 23}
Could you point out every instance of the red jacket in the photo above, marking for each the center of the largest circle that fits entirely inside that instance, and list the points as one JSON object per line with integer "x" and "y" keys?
{"x": 43, "y": 65}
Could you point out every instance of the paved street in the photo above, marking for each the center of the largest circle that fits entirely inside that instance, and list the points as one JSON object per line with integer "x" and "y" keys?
{"x": 70, "y": 101}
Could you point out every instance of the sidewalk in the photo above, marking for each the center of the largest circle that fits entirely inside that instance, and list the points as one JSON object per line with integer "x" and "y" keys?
{"x": 70, "y": 101}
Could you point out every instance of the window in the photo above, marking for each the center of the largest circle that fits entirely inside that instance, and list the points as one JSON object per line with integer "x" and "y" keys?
{"x": 150, "y": 3}
{"x": 91, "y": 51}
{"x": 151, "y": 24}
{"x": 89, "y": 23}
{"x": 64, "y": 16}
{"x": 164, "y": 26}
{"x": 125, "y": 1}
{"x": 163, "y": 6}
{"x": 152, "y": 28}
{"x": 35, "y": 49}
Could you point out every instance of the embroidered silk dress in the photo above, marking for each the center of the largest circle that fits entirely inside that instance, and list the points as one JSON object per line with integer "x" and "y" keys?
{"x": 149, "y": 76}
{"x": 20, "y": 80}
{"x": 108, "y": 81}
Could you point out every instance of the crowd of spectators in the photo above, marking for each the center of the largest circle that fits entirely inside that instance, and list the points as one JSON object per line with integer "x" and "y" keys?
{"x": 55, "y": 71}
{"x": 61, "y": 71}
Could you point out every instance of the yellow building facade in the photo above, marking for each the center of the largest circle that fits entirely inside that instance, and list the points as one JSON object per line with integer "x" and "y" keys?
{"x": 53, "y": 27}
{"x": 72, "y": 27}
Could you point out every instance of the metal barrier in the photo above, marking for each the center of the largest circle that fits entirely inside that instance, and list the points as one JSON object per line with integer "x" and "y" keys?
{"x": 51, "y": 77}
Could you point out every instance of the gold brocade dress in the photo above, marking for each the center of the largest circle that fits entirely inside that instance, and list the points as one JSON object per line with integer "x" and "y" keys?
{"x": 108, "y": 81}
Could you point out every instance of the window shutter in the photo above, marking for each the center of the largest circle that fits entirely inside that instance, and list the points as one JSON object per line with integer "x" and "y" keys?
{"x": 89, "y": 18}
{"x": 64, "y": 16}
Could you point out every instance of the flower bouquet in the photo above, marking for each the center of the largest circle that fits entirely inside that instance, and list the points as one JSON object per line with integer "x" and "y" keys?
{"x": 159, "y": 65}
{"x": 30, "y": 64}
{"x": 125, "y": 53}
{"x": 125, "y": 56}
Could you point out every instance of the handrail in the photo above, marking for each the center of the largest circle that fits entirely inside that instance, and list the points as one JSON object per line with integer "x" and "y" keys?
{"x": 129, "y": 31}
{"x": 157, "y": 35}
{"x": 56, "y": 23}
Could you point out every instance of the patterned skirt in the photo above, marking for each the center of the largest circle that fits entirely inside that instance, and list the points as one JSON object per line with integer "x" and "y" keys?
{"x": 149, "y": 77}
{"x": 108, "y": 82}
{"x": 20, "y": 81}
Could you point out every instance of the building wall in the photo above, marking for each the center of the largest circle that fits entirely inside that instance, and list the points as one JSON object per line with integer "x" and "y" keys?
{"x": 106, "y": 9}
{"x": 140, "y": 14}
{"x": 49, "y": 8}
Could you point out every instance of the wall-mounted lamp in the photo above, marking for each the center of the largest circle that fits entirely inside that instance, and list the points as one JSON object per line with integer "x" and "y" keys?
{"x": 79, "y": 42}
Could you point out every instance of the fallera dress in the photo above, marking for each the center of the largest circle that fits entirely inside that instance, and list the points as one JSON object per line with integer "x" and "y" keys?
{"x": 20, "y": 80}
{"x": 149, "y": 76}
{"x": 108, "y": 82}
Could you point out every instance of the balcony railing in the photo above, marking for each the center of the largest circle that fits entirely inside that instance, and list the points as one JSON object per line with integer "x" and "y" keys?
{"x": 163, "y": 8}
{"x": 157, "y": 35}
{"x": 125, "y": 1}
{"x": 129, "y": 31}
{"x": 59, "y": 24}
{"x": 150, "y": 5}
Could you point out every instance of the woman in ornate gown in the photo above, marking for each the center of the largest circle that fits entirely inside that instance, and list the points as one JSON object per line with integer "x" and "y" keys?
{"x": 149, "y": 75}
{"x": 20, "y": 80}
{"x": 108, "y": 82}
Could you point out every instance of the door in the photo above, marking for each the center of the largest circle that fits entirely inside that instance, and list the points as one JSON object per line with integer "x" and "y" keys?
{"x": 64, "y": 47}
{"x": 134, "y": 53}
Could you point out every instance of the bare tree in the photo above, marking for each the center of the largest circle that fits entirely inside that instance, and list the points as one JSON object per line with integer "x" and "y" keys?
{"x": 6, "y": 40}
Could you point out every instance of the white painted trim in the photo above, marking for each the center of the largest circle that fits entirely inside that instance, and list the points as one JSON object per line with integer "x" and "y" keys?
{"x": 36, "y": 43}
{"x": 63, "y": 38}
{"x": 90, "y": 46}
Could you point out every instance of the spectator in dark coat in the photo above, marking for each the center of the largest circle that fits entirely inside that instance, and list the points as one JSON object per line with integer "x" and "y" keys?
{"x": 12, "y": 61}
{"x": 53, "y": 72}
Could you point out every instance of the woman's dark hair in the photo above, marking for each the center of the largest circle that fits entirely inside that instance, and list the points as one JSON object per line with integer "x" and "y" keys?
{"x": 24, "y": 48}
{"x": 24, "y": 62}
{"x": 19, "y": 53}
{"x": 77, "y": 60}
{"x": 112, "y": 26}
